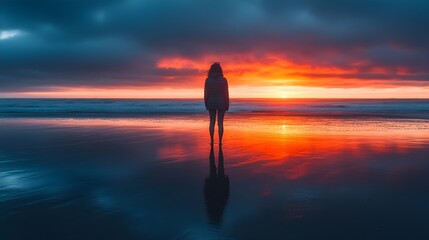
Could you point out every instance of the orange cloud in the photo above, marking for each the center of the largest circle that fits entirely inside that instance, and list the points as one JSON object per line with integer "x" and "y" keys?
{"x": 257, "y": 76}
{"x": 278, "y": 70}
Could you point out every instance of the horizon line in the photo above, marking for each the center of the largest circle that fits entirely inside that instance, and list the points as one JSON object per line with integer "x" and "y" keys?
{"x": 200, "y": 98}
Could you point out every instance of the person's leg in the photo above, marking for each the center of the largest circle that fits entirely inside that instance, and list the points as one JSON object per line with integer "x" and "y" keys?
{"x": 212, "y": 124}
{"x": 220, "y": 116}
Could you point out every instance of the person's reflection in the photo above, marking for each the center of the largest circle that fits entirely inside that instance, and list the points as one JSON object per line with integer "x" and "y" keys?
{"x": 216, "y": 189}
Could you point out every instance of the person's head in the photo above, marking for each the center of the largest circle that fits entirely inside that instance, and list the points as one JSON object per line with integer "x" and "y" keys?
{"x": 215, "y": 70}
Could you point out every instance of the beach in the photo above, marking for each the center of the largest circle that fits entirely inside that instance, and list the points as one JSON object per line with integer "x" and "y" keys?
{"x": 330, "y": 169}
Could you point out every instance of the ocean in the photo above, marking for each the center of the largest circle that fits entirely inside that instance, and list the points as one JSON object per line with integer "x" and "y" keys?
{"x": 395, "y": 108}
{"x": 145, "y": 169}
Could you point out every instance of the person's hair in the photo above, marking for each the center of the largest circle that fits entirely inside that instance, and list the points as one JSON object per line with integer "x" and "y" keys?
{"x": 215, "y": 70}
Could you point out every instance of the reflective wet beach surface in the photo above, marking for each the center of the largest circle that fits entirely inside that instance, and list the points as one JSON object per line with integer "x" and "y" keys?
{"x": 158, "y": 178}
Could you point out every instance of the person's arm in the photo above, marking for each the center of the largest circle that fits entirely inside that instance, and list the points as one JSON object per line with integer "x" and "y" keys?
{"x": 226, "y": 95}
{"x": 205, "y": 94}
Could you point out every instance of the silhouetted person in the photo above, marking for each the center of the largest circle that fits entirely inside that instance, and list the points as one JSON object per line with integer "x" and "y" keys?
{"x": 216, "y": 98}
{"x": 216, "y": 189}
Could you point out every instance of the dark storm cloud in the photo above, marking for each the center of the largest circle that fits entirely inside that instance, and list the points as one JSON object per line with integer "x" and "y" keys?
{"x": 113, "y": 42}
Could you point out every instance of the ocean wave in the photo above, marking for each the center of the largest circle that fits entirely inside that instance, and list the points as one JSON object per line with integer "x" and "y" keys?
{"x": 407, "y": 108}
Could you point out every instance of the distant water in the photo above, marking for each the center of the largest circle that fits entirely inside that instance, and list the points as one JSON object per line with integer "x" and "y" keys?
{"x": 398, "y": 108}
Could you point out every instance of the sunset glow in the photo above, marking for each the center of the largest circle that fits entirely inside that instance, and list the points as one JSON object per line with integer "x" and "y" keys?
{"x": 271, "y": 77}
{"x": 236, "y": 92}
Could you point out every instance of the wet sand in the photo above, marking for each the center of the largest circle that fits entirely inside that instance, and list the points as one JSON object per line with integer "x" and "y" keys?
{"x": 156, "y": 178}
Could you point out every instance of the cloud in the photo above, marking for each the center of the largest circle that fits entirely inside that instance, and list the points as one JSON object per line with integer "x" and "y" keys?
{"x": 9, "y": 34}
{"x": 112, "y": 43}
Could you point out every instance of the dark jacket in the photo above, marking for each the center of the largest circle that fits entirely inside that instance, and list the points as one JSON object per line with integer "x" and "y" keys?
{"x": 216, "y": 93}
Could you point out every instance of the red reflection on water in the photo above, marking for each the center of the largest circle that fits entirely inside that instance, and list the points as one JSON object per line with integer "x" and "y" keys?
{"x": 295, "y": 148}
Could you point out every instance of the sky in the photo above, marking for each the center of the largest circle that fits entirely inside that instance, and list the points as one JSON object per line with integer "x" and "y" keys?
{"x": 163, "y": 48}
